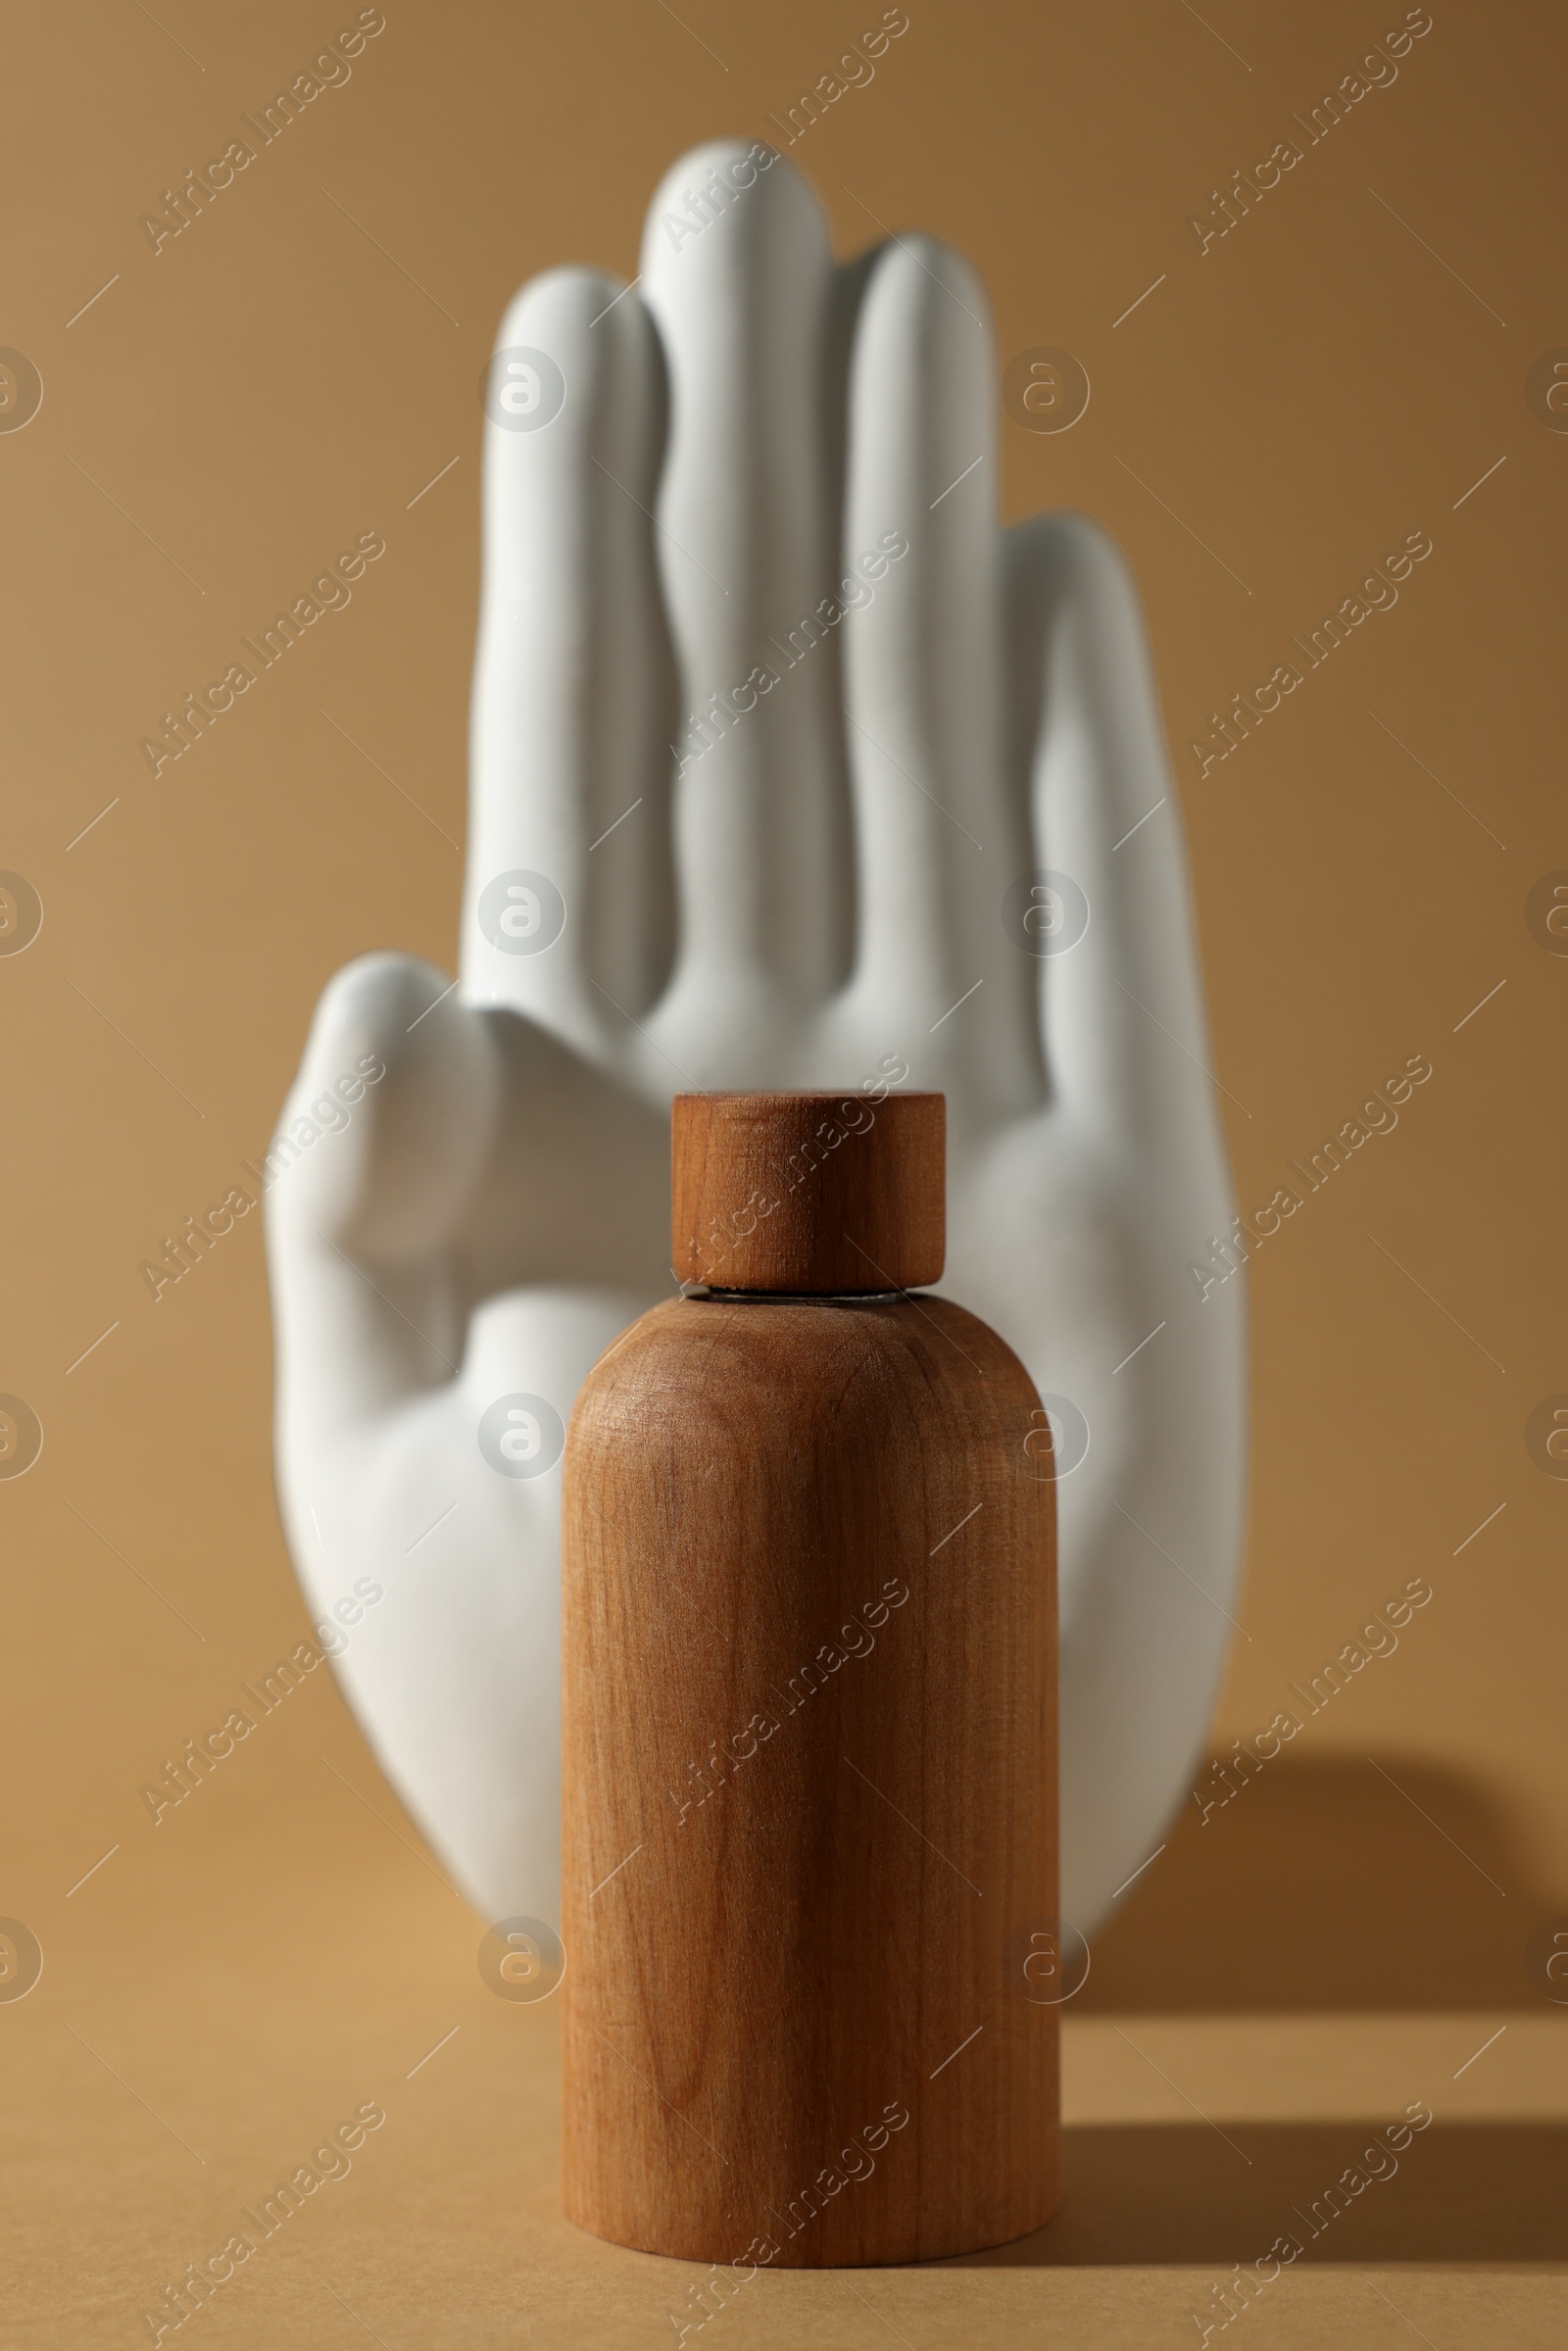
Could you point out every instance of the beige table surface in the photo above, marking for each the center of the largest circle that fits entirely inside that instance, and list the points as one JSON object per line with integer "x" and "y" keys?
{"x": 226, "y": 2001}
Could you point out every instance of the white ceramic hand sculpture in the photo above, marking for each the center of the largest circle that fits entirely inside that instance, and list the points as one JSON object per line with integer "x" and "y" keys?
{"x": 765, "y": 479}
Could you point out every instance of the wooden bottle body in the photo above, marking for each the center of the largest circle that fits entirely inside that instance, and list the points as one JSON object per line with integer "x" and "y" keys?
{"x": 810, "y": 1815}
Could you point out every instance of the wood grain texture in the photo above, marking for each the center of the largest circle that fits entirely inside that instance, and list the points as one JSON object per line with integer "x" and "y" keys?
{"x": 808, "y": 1193}
{"x": 809, "y": 1805}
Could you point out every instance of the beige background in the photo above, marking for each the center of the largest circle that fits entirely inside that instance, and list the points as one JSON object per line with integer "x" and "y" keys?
{"x": 282, "y": 377}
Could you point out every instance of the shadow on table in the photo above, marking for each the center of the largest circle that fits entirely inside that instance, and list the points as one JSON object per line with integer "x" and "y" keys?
{"x": 1150, "y": 2193}
{"x": 1332, "y": 1884}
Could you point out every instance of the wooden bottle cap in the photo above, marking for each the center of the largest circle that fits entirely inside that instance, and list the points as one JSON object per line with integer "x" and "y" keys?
{"x": 808, "y": 1194}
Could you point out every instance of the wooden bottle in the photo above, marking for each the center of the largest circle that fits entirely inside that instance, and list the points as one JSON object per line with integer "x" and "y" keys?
{"x": 810, "y": 1803}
